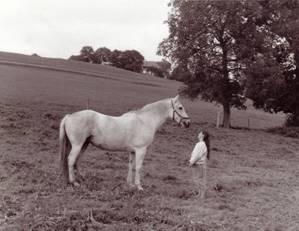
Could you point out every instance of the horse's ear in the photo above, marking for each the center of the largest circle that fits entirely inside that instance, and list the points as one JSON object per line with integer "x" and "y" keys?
{"x": 175, "y": 99}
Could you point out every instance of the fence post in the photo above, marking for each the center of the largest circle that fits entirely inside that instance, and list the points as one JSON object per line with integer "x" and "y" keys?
{"x": 218, "y": 119}
{"x": 248, "y": 123}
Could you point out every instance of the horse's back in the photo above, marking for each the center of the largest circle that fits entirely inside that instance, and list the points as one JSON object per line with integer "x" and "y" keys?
{"x": 98, "y": 127}
{"x": 109, "y": 132}
{"x": 83, "y": 117}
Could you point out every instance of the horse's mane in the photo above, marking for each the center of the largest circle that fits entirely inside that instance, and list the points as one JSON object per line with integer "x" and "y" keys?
{"x": 161, "y": 104}
{"x": 158, "y": 104}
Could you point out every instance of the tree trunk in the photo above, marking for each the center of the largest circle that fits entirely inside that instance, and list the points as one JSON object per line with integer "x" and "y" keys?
{"x": 226, "y": 83}
{"x": 294, "y": 118}
{"x": 226, "y": 115}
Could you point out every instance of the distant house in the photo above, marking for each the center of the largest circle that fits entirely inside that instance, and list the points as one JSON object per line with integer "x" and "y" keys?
{"x": 153, "y": 68}
{"x": 106, "y": 63}
{"x": 147, "y": 64}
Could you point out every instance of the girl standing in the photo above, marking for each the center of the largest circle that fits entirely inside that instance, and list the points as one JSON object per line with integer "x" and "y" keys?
{"x": 198, "y": 159}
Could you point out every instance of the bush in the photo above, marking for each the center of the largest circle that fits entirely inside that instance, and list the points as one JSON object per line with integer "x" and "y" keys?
{"x": 285, "y": 131}
{"x": 292, "y": 120}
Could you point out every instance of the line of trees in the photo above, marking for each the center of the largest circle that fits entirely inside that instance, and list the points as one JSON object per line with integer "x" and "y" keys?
{"x": 130, "y": 60}
{"x": 227, "y": 51}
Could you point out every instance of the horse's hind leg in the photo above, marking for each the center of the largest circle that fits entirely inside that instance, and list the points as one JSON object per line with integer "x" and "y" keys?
{"x": 84, "y": 147}
{"x": 71, "y": 163}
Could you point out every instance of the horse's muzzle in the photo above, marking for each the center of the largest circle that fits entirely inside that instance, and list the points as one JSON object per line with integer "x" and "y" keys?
{"x": 186, "y": 123}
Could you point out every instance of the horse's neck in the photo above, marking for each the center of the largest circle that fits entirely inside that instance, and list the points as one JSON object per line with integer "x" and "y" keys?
{"x": 155, "y": 113}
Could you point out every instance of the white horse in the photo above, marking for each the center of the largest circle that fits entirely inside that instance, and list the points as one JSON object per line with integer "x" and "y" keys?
{"x": 133, "y": 131}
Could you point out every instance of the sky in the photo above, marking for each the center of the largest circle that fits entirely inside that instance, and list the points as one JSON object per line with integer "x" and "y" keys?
{"x": 60, "y": 28}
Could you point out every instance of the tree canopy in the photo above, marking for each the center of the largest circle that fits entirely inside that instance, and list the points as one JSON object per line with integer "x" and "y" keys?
{"x": 130, "y": 60}
{"x": 102, "y": 55}
{"x": 273, "y": 74}
{"x": 226, "y": 49}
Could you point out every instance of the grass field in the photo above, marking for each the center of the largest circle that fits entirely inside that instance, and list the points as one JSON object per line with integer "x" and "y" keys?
{"x": 252, "y": 185}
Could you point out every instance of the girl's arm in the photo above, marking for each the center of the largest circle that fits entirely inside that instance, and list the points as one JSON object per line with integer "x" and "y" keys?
{"x": 198, "y": 153}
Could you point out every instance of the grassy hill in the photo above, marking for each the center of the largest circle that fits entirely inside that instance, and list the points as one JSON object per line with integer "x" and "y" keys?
{"x": 252, "y": 174}
{"x": 77, "y": 83}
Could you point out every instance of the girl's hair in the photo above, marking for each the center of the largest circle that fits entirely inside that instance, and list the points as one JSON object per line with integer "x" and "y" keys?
{"x": 206, "y": 139}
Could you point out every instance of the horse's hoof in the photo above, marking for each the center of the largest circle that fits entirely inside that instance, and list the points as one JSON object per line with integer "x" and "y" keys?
{"x": 139, "y": 187}
{"x": 76, "y": 184}
{"x": 131, "y": 185}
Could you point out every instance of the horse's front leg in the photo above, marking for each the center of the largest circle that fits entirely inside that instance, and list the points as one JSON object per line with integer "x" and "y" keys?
{"x": 139, "y": 156}
{"x": 130, "y": 178}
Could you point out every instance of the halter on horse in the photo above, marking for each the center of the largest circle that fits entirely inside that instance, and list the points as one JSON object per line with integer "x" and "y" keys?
{"x": 135, "y": 132}
{"x": 175, "y": 112}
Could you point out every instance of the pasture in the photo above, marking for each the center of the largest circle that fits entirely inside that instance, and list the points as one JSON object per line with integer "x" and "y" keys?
{"x": 253, "y": 175}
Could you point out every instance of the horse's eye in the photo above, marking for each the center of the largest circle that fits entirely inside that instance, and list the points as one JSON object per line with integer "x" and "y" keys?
{"x": 180, "y": 108}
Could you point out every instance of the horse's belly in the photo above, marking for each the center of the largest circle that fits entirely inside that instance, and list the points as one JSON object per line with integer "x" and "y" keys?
{"x": 111, "y": 144}
{"x": 112, "y": 134}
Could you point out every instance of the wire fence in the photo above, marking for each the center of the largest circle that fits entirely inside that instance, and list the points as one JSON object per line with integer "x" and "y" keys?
{"x": 252, "y": 119}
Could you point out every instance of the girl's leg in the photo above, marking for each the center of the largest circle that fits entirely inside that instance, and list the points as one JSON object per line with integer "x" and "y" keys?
{"x": 199, "y": 175}
{"x": 204, "y": 176}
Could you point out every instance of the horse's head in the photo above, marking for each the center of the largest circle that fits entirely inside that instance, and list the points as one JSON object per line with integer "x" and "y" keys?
{"x": 178, "y": 113}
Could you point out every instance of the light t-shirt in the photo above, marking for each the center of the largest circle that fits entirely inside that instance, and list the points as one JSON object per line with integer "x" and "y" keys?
{"x": 199, "y": 153}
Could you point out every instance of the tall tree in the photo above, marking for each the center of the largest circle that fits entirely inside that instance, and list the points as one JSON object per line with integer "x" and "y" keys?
{"x": 130, "y": 60}
{"x": 207, "y": 39}
{"x": 101, "y": 55}
{"x": 115, "y": 58}
{"x": 87, "y": 54}
{"x": 273, "y": 75}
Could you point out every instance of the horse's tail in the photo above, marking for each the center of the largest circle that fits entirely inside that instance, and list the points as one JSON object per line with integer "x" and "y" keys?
{"x": 65, "y": 147}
